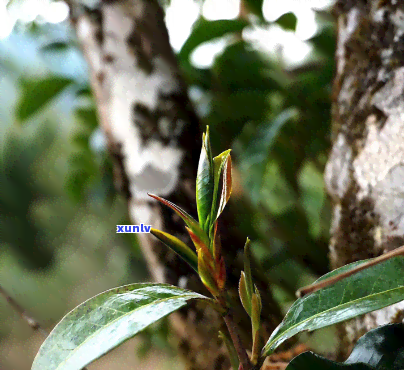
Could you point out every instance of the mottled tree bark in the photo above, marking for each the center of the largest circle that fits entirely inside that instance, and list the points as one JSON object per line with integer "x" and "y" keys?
{"x": 365, "y": 172}
{"x": 154, "y": 138}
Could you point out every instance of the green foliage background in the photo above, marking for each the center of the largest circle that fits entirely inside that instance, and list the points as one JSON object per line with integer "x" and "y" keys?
{"x": 58, "y": 207}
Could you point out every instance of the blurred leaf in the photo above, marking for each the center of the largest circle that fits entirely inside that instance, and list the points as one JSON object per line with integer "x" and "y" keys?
{"x": 76, "y": 183}
{"x": 288, "y": 21}
{"x": 325, "y": 41}
{"x": 201, "y": 77}
{"x": 240, "y": 67}
{"x": 255, "y": 6}
{"x": 84, "y": 90}
{"x": 204, "y": 30}
{"x": 57, "y": 46}
{"x": 256, "y": 155}
{"x": 353, "y": 296}
{"x": 379, "y": 349}
{"x": 312, "y": 196}
{"x": 239, "y": 107}
{"x": 36, "y": 93}
{"x": 20, "y": 191}
{"x": 186, "y": 253}
{"x": 88, "y": 116}
{"x": 105, "y": 321}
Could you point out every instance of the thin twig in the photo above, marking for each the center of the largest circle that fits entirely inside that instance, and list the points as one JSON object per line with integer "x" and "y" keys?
{"x": 245, "y": 363}
{"x": 24, "y": 315}
{"x": 34, "y": 324}
{"x": 332, "y": 280}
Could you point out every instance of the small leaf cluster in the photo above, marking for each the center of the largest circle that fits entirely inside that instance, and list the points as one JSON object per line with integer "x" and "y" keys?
{"x": 207, "y": 261}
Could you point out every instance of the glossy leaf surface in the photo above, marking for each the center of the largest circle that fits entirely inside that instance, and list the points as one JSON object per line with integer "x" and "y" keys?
{"x": 37, "y": 93}
{"x": 374, "y": 288}
{"x": 379, "y": 349}
{"x": 105, "y": 321}
{"x": 205, "y": 184}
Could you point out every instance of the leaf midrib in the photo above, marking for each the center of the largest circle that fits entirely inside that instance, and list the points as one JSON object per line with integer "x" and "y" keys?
{"x": 329, "y": 310}
{"x": 117, "y": 319}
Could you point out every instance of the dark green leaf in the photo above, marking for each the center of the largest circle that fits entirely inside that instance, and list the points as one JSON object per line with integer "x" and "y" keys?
{"x": 325, "y": 41}
{"x": 255, "y": 6}
{"x": 288, "y": 21}
{"x": 105, "y": 321}
{"x": 358, "y": 294}
{"x": 37, "y": 93}
{"x": 205, "y": 184}
{"x": 57, "y": 46}
{"x": 205, "y": 30}
{"x": 379, "y": 349}
{"x": 311, "y": 361}
{"x": 88, "y": 116}
{"x": 241, "y": 67}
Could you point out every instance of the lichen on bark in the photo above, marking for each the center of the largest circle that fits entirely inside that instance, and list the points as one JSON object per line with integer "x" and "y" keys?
{"x": 364, "y": 175}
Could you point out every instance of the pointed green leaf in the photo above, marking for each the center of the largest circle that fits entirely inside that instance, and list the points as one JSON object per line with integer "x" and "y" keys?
{"x": 186, "y": 253}
{"x": 247, "y": 268}
{"x": 205, "y": 30}
{"x": 37, "y": 93}
{"x": 366, "y": 291}
{"x": 221, "y": 163}
{"x": 204, "y": 183}
{"x": 188, "y": 219}
{"x": 227, "y": 186}
{"x": 243, "y": 293}
{"x": 287, "y": 21}
{"x": 255, "y": 6}
{"x": 105, "y": 321}
{"x": 379, "y": 349}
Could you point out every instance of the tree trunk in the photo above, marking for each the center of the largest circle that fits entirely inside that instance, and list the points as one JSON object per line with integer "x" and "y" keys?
{"x": 365, "y": 171}
{"x": 154, "y": 138}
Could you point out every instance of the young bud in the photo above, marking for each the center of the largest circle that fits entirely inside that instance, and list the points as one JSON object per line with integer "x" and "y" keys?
{"x": 243, "y": 292}
{"x": 256, "y": 307}
{"x": 247, "y": 268}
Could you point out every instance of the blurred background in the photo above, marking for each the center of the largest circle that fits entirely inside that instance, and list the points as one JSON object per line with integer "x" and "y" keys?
{"x": 259, "y": 73}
